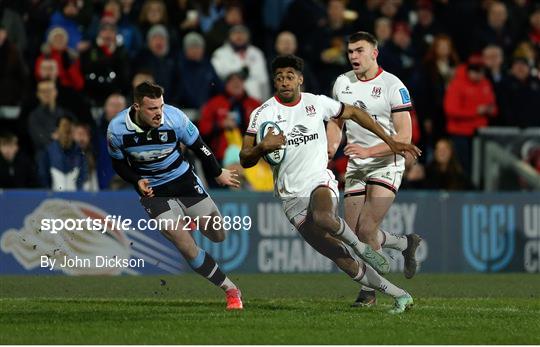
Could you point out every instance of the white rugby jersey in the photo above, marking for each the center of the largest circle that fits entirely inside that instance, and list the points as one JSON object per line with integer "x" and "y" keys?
{"x": 306, "y": 149}
{"x": 380, "y": 97}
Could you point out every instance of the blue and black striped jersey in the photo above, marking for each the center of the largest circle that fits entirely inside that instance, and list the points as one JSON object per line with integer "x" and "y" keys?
{"x": 154, "y": 154}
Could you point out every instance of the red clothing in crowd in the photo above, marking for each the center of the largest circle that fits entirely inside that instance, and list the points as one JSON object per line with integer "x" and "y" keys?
{"x": 212, "y": 115}
{"x": 69, "y": 72}
{"x": 461, "y": 102}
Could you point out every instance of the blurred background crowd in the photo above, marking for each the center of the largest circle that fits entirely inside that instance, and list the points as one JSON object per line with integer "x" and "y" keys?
{"x": 67, "y": 67}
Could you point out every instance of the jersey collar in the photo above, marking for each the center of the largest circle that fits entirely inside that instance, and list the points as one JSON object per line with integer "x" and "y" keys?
{"x": 379, "y": 71}
{"x": 289, "y": 104}
{"x": 130, "y": 125}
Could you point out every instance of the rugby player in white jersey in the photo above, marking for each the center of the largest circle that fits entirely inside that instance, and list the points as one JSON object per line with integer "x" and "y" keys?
{"x": 374, "y": 171}
{"x": 308, "y": 190}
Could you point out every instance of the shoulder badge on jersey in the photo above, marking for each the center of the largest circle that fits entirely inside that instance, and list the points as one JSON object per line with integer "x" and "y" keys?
{"x": 190, "y": 128}
{"x": 405, "y": 98}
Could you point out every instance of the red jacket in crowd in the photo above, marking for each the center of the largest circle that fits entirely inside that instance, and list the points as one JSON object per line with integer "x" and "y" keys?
{"x": 69, "y": 69}
{"x": 462, "y": 101}
{"x": 212, "y": 115}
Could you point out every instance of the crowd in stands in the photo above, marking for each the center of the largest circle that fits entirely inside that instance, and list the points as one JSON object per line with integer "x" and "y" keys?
{"x": 467, "y": 63}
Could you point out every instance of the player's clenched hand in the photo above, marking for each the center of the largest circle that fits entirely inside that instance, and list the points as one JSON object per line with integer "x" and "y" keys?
{"x": 355, "y": 151}
{"x": 144, "y": 188}
{"x": 404, "y": 148}
{"x": 271, "y": 142}
{"x": 228, "y": 178}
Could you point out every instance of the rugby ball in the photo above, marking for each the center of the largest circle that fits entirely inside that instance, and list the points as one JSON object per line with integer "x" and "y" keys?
{"x": 277, "y": 156}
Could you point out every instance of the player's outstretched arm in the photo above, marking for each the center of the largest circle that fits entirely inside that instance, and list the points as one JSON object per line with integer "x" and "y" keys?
{"x": 402, "y": 124}
{"x": 223, "y": 177}
{"x": 251, "y": 153}
{"x": 125, "y": 171}
{"x": 228, "y": 178}
{"x": 364, "y": 119}
{"x": 333, "y": 134}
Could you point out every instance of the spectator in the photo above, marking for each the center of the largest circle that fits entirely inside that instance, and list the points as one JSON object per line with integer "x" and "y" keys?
{"x": 493, "y": 59}
{"x": 81, "y": 136}
{"x": 43, "y": 120}
{"x": 426, "y": 29}
{"x": 13, "y": 71}
{"x": 47, "y": 69}
{"x": 436, "y": 72}
{"x": 160, "y": 60}
{"x": 62, "y": 166}
{"x": 383, "y": 31}
{"x": 14, "y": 25}
{"x": 414, "y": 177}
{"x": 330, "y": 47}
{"x": 445, "y": 171}
{"x": 16, "y": 170}
{"x": 105, "y": 66}
{"x": 131, "y": 10}
{"x": 218, "y": 34}
{"x": 286, "y": 44}
{"x": 128, "y": 35}
{"x": 105, "y": 172}
{"x": 199, "y": 80}
{"x": 66, "y": 17}
{"x": 469, "y": 102}
{"x": 237, "y": 54}
{"x": 67, "y": 59}
{"x": 496, "y": 30}
{"x": 73, "y": 100}
{"x": 269, "y": 22}
{"x": 398, "y": 56}
{"x": 526, "y": 50}
{"x": 394, "y": 10}
{"x": 154, "y": 12}
{"x": 225, "y": 117}
{"x": 184, "y": 15}
{"x": 521, "y": 96}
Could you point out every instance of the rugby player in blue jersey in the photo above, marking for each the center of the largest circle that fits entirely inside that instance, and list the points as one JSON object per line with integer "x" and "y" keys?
{"x": 144, "y": 144}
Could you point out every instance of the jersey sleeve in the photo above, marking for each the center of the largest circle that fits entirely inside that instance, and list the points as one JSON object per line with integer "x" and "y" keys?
{"x": 114, "y": 144}
{"x": 335, "y": 89}
{"x": 330, "y": 107}
{"x": 186, "y": 131}
{"x": 400, "y": 99}
{"x": 255, "y": 120}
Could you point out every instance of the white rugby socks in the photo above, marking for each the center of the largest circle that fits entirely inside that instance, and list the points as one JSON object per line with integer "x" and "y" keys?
{"x": 388, "y": 240}
{"x": 369, "y": 277}
{"x": 346, "y": 235}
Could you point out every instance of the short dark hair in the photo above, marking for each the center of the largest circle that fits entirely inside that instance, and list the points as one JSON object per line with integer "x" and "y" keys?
{"x": 363, "y": 36}
{"x": 7, "y": 137}
{"x": 293, "y": 61}
{"x": 148, "y": 89}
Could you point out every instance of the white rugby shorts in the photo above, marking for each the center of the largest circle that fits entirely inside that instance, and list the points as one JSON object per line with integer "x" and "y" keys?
{"x": 356, "y": 179}
{"x": 296, "y": 208}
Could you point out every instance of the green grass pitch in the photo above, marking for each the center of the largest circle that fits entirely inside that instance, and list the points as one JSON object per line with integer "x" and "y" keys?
{"x": 279, "y": 309}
